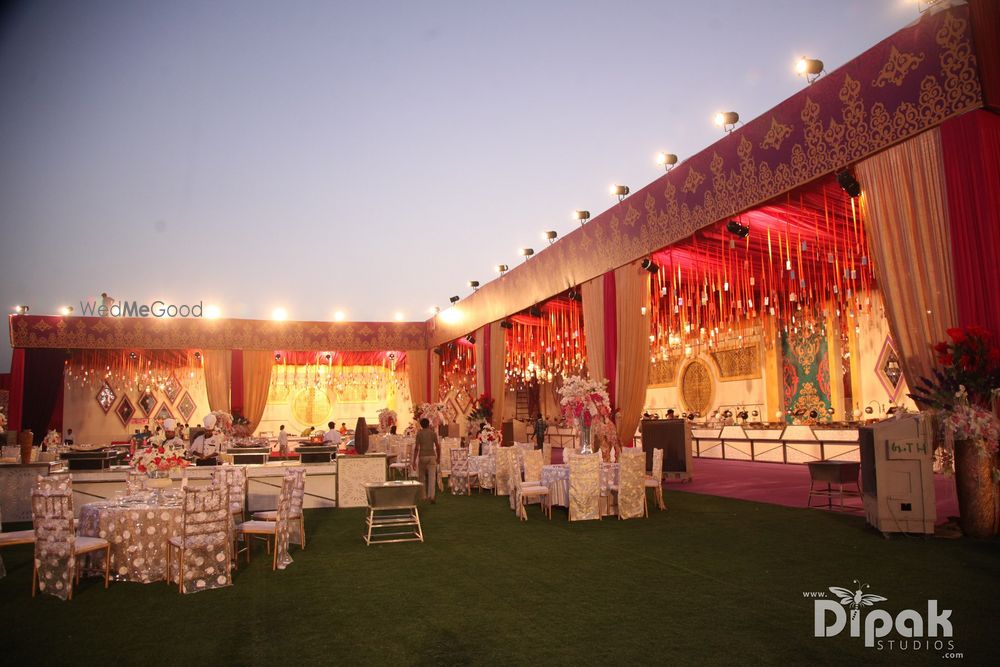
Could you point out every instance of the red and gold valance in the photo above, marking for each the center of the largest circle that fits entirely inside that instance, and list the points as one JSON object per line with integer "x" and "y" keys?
{"x": 112, "y": 333}
{"x": 912, "y": 81}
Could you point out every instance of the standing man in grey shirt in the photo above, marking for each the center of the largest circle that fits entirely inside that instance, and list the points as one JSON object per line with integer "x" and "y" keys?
{"x": 428, "y": 455}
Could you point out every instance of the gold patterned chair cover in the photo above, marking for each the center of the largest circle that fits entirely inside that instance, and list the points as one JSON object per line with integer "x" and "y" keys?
{"x": 444, "y": 467}
{"x": 233, "y": 478}
{"x": 533, "y": 466}
{"x": 57, "y": 482}
{"x": 55, "y": 538}
{"x": 514, "y": 478}
{"x": 631, "y": 484}
{"x": 202, "y": 554}
{"x": 655, "y": 480}
{"x": 584, "y": 487}
{"x": 460, "y": 477}
{"x": 504, "y": 456}
{"x": 281, "y": 526}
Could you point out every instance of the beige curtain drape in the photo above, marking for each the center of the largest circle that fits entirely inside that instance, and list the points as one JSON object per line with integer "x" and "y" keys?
{"x": 632, "y": 356}
{"x": 593, "y": 325}
{"x": 257, "y": 365}
{"x": 218, "y": 369}
{"x": 416, "y": 375}
{"x": 905, "y": 205}
{"x": 498, "y": 354}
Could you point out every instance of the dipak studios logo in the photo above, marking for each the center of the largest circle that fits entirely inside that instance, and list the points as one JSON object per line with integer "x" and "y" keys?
{"x": 909, "y": 630}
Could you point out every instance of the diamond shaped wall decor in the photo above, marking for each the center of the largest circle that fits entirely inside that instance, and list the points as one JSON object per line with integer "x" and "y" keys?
{"x": 125, "y": 410}
{"x": 163, "y": 413}
{"x": 147, "y": 402}
{"x": 187, "y": 406}
{"x": 106, "y": 397}
{"x": 888, "y": 370}
{"x": 172, "y": 388}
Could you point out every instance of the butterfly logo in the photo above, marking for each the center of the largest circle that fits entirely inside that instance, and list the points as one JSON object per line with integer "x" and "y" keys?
{"x": 857, "y": 598}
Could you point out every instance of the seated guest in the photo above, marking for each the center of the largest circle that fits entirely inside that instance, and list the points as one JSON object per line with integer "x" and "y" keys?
{"x": 333, "y": 435}
{"x": 206, "y": 447}
{"x": 343, "y": 428}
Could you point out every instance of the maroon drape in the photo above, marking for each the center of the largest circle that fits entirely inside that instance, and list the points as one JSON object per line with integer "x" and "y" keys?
{"x": 971, "y": 148}
{"x": 611, "y": 335}
{"x": 16, "y": 402}
{"x": 487, "y": 379}
{"x": 43, "y": 381}
{"x": 236, "y": 383}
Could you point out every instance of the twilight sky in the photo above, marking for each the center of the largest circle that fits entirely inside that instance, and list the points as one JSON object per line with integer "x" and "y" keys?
{"x": 370, "y": 157}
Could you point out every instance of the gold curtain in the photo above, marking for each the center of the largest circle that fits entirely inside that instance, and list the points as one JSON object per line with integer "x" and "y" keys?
{"x": 632, "y": 355}
{"x": 593, "y": 325}
{"x": 904, "y": 203}
{"x": 497, "y": 371}
{"x": 218, "y": 369}
{"x": 416, "y": 375}
{"x": 257, "y": 365}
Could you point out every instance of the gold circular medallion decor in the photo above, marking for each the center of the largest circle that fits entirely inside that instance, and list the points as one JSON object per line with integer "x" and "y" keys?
{"x": 312, "y": 407}
{"x": 696, "y": 387}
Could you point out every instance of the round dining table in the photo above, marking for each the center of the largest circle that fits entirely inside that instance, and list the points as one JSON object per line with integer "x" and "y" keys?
{"x": 138, "y": 533}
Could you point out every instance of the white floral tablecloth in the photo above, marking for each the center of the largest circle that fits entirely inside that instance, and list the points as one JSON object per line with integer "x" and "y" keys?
{"x": 556, "y": 477}
{"x": 138, "y": 535}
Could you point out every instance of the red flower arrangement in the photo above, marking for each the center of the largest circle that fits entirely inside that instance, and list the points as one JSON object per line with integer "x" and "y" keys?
{"x": 971, "y": 359}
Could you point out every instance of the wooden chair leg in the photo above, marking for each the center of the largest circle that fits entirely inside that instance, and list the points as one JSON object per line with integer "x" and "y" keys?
{"x": 107, "y": 565}
{"x": 34, "y": 578}
{"x": 302, "y": 530}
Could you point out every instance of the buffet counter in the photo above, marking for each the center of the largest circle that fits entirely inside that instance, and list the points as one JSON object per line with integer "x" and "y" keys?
{"x": 794, "y": 443}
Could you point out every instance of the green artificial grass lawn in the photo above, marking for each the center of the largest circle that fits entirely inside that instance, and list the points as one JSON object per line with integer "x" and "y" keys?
{"x": 710, "y": 581}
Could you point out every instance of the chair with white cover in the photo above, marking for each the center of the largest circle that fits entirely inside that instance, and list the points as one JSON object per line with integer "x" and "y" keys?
{"x": 277, "y": 529}
{"x": 56, "y": 482}
{"x": 461, "y": 476}
{"x": 655, "y": 480}
{"x": 404, "y": 459}
{"x": 584, "y": 487}
{"x": 202, "y": 553}
{"x": 296, "y": 517}
{"x": 444, "y": 466}
{"x": 57, "y": 546}
{"x": 522, "y": 492}
{"x": 631, "y": 486}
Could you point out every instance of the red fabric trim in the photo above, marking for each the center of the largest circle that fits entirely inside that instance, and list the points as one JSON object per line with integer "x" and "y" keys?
{"x": 970, "y": 146}
{"x": 236, "y": 383}
{"x": 611, "y": 336}
{"x": 485, "y": 333}
{"x": 16, "y": 390}
{"x": 430, "y": 384}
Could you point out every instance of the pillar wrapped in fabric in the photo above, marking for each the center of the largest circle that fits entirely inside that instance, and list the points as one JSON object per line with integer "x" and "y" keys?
{"x": 361, "y": 436}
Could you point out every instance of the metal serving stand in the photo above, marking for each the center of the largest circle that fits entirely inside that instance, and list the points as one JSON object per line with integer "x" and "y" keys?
{"x": 392, "y": 512}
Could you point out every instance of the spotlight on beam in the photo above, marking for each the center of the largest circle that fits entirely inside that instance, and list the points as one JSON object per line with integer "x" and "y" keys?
{"x": 506, "y": 324}
{"x": 734, "y": 227}
{"x": 810, "y": 68}
{"x": 727, "y": 120}
{"x": 433, "y": 310}
{"x": 535, "y": 311}
{"x": 279, "y": 314}
{"x": 850, "y": 184}
{"x": 66, "y": 310}
{"x": 575, "y": 295}
{"x": 21, "y": 309}
{"x": 650, "y": 265}
{"x": 277, "y": 356}
{"x": 502, "y": 269}
{"x": 526, "y": 253}
{"x": 582, "y": 216}
{"x": 620, "y": 191}
{"x": 455, "y": 299}
{"x": 474, "y": 284}
{"x": 550, "y": 237}
{"x": 666, "y": 160}
{"x": 471, "y": 339}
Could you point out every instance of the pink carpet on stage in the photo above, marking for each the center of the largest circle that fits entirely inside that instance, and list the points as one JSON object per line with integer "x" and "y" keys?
{"x": 783, "y": 484}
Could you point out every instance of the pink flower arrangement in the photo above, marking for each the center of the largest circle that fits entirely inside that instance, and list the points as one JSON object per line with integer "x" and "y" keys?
{"x": 584, "y": 399}
{"x": 386, "y": 419}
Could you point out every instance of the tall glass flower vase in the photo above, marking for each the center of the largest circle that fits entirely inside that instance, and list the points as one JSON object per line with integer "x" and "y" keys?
{"x": 585, "y": 447}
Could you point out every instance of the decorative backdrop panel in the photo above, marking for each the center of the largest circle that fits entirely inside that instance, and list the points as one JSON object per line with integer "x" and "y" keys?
{"x": 806, "y": 371}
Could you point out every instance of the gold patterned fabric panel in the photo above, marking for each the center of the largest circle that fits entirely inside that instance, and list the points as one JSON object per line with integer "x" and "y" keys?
{"x": 696, "y": 387}
{"x": 927, "y": 72}
{"x": 180, "y": 334}
{"x": 631, "y": 483}
{"x": 663, "y": 371}
{"x": 585, "y": 487}
{"x": 504, "y": 456}
{"x": 740, "y": 362}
